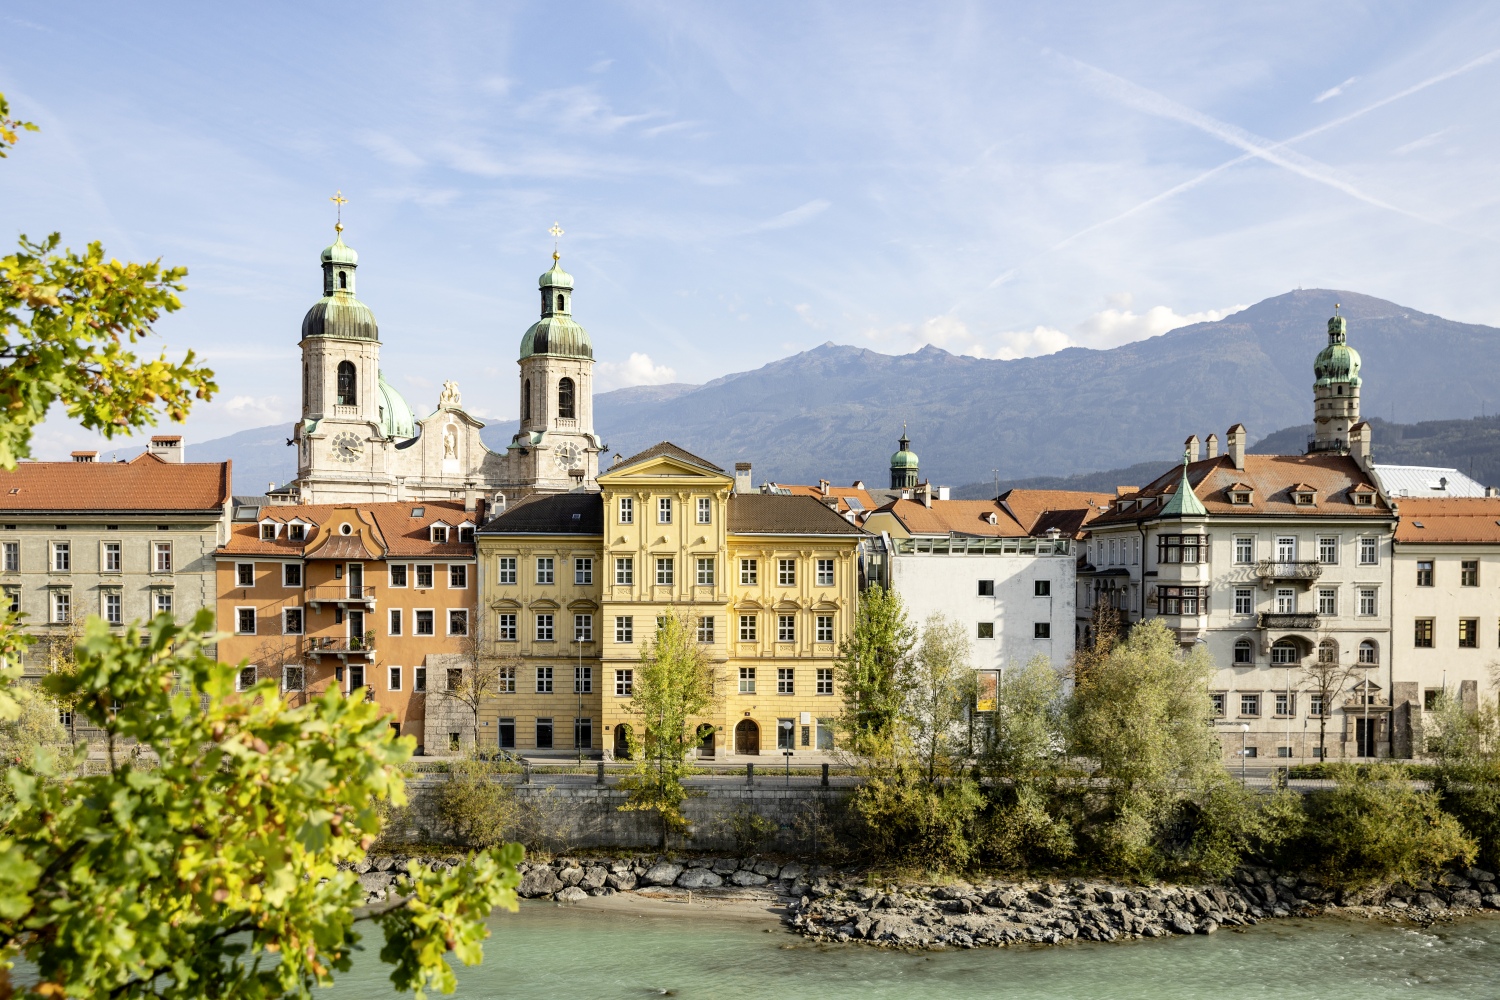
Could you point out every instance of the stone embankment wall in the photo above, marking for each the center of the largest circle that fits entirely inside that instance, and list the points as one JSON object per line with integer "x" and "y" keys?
{"x": 797, "y": 821}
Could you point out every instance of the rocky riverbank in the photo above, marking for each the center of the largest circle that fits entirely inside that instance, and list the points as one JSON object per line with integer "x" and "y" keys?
{"x": 841, "y": 905}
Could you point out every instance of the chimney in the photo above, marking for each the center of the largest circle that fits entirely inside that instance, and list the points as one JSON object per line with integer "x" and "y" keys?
{"x": 85, "y": 456}
{"x": 1192, "y": 447}
{"x": 1359, "y": 445}
{"x": 942, "y": 493}
{"x": 823, "y": 486}
{"x": 497, "y": 505}
{"x": 469, "y": 497}
{"x": 742, "y": 481}
{"x": 168, "y": 448}
{"x": 400, "y": 489}
{"x": 1236, "y": 442}
{"x": 858, "y": 484}
{"x": 924, "y": 494}
{"x": 1213, "y": 446}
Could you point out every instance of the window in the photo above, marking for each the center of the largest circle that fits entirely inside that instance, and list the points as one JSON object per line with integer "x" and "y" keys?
{"x": 825, "y": 680}
{"x": 583, "y": 572}
{"x": 706, "y": 572}
{"x": 440, "y": 534}
{"x": 393, "y": 625}
{"x": 1468, "y": 633}
{"x": 1250, "y": 704}
{"x": 112, "y": 612}
{"x": 110, "y": 558}
{"x": 244, "y": 574}
{"x": 1042, "y": 588}
{"x": 544, "y": 734}
{"x": 291, "y": 621}
{"x": 1286, "y": 549}
{"x": 424, "y": 623}
{"x": 13, "y": 599}
{"x": 786, "y": 680}
{"x": 1041, "y": 630}
{"x": 505, "y": 733}
{"x": 1179, "y": 548}
{"x": 825, "y": 572}
{"x": 1286, "y": 601}
{"x": 1255, "y": 751}
{"x": 544, "y": 628}
{"x": 1424, "y": 633}
{"x": 583, "y": 628}
{"x": 292, "y": 677}
{"x": 1369, "y": 653}
{"x": 786, "y": 572}
{"x": 466, "y": 534}
{"x": 1244, "y": 550}
{"x": 1244, "y": 601}
{"x": 1284, "y": 652}
{"x": 625, "y": 629}
{"x": 786, "y": 730}
{"x": 1244, "y": 652}
{"x": 1328, "y": 601}
{"x": 268, "y": 532}
{"x": 1217, "y": 699}
{"x": 825, "y": 734}
{"x": 1430, "y": 699}
{"x": 747, "y": 680}
{"x": 291, "y": 574}
{"x": 1180, "y": 600}
{"x": 543, "y": 680}
{"x": 62, "y": 557}
{"x": 1369, "y": 552}
{"x": 458, "y": 576}
{"x": 295, "y": 532}
{"x": 393, "y": 678}
{"x": 1328, "y": 651}
{"x": 1424, "y": 572}
{"x": 824, "y": 625}
{"x": 424, "y": 577}
{"x": 664, "y": 510}
{"x": 583, "y": 680}
{"x": 544, "y": 569}
{"x": 705, "y": 510}
{"x": 706, "y": 629}
{"x": 624, "y": 571}
{"x": 1468, "y": 573}
{"x": 664, "y": 572}
{"x": 419, "y": 679}
{"x": 583, "y": 734}
{"x": 985, "y": 630}
{"x": 1369, "y": 604}
{"x": 1315, "y": 705}
{"x": 1286, "y": 704}
{"x": 627, "y": 510}
{"x": 397, "y": 574}
{"x": 507, "y": 570}
{"x": 13, "y": 555}
{"x": 565, "y": 408}
{"x": 786, "y": 628}
{"x": 624, "y": 683}
{"x": 458, "y": 621}
{"x": 163, "y": 602}
{"x": 244, "y": 680}
{"x": 161, "y": 561}
{"x": 1283, "y": 751}
{"x": 244, "y": 621}
{"x": 347, "y": 394}
{"x": 506, "y": 681}
{"x": 1328, "y": 551}
{"x": 455, "y": 742}
{"x": 986, "y": 588}
{"x": 748, "y": 572}
{"x": 747, "y": 628}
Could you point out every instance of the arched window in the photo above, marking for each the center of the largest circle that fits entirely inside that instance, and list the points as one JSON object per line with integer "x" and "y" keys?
{"x": 565, "y": 398}
{"x": 343, "y": 279}
{"x": 348, "y": 387}
{"x": 560, "y": 306}
{"x": 1369, "y": 653}
{"x": 526, "y": 400}
{"x": 1328, "y": 651}
{"x": 1244, "y": 652}
{"x": 1284, "y": 652}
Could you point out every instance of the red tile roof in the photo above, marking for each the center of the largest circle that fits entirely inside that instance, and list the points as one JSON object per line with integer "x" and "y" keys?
{"x": 403, "y": 534}
{"x": 1472, "y": 520}
{"x": 1066, "y": 510}
{"x": 956, "y": 517}
{"x": 145, "y": 483}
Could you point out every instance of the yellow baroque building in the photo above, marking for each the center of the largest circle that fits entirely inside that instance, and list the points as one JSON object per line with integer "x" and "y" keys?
{"x": 574, "y": 583}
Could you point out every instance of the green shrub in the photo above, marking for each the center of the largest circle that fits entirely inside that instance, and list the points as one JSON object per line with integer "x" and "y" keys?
{"x": 1231, "y": 825}
{"x": 749, "y": 830}
{"x": 1025, "y": 828}
{"x": 898, "y": 818}
{"x": 477, "y": 808}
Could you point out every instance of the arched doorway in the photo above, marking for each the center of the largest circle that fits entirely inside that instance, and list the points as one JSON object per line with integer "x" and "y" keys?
{"x": 705, "y": 740}
{"x": 622, "y": 742}
{"x": 747, "y": 737}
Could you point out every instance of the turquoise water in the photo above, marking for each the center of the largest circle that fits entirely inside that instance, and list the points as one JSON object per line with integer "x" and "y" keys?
{"x": 548, "y": 951}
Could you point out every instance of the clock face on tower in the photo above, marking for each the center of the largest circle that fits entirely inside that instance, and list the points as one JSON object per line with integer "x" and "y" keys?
{"x": 566, "y": 456}
{"x": 347, "y": 447}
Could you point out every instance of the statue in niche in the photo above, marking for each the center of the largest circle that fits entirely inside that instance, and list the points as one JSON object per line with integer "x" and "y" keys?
{"x": 450, "y": 442}
{"x": 450, "y": 395}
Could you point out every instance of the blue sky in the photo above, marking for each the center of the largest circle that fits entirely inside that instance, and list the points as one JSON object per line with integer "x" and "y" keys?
{"x": 741, "y": 182}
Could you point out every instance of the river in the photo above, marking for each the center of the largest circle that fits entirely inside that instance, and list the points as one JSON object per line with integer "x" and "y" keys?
{"x": 548, "y": 951}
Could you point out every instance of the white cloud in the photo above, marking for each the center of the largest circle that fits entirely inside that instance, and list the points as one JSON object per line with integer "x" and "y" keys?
{"x": 1333, "y": 91}
{"x": 638, "y": 370}
{"x": 388, "y": 148}
{"x": 794, "y": 217}
{"x": 259, "y": 410}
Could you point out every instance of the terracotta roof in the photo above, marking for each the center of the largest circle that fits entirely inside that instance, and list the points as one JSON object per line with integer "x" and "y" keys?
{"x": 403, "y": 534}
{"x": 665, "y": 448}
{"x": 956, "y": 517}
{"x": 1272, "y": 479}
{"x": 1066, "y": 510}
{"x": 1475, "y": 520}
{"x": 864, "y": 500}
{"x": 551, "y": 514}
{"x": 145, "y": 483}
{"x": 770, "y": 513}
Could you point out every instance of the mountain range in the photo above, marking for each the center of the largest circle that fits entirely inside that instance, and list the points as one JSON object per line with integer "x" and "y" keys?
{"x": 835, "y": 412}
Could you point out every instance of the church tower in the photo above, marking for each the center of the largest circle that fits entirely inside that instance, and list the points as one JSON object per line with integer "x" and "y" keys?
{"x": 556, "y": 448}
{"x": 1335, "y": 391}
{"x": 904, "y": 465}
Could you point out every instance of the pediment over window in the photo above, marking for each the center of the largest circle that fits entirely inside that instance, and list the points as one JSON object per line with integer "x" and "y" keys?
{"x": 826, "y": 605}
{"x": 582, "y": 604}
{"x": 748, "y": 605}
{"x": 505, "y": 604}
{"x": 785, "y": 605}
{"x": 545, "y": 604}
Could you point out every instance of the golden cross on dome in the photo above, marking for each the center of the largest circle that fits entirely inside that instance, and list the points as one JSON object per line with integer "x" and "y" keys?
{"x": 556, "y": 232}
{"x": 339, "y": 200}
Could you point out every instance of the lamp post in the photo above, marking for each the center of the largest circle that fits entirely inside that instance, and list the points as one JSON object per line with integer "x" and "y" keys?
{"x": 1244, "y": 731}
{"x": 786, "y": 726}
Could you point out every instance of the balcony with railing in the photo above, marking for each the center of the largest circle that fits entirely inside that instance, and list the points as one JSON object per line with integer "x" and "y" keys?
{"x": 342, "y": 594}
{"x": 1273, "y": 571}
{"x": 360, "y": 647}
{"x": 1298, "y": 621}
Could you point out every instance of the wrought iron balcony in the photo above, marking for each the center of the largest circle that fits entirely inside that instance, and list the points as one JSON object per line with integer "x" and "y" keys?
{"x": 1304, "y": 571}
{"x": 341, "y": 647}
{"x": 1299, "y": 621}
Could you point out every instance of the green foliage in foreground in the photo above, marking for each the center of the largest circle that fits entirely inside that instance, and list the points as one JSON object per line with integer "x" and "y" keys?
{"x": 216, "y": 872}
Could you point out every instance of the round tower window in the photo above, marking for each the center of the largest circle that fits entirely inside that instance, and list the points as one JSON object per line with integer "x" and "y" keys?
{"x": 344, "y": 529}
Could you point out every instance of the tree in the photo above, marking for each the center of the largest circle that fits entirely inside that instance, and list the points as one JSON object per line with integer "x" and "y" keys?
{"x": 940, "y": 690}
{"x": 57, "y": 648}
{"x": 1326, "y": 678}
{"x": 871, "y": 662}
{"x": 1027, "y": 745}
{"x": 673, "y": 685}
{"x": 479, "y": 679}
{"x": 134, "y": 882}
{"x": 1465, "y": 749}
{"x": 68, "y": 325}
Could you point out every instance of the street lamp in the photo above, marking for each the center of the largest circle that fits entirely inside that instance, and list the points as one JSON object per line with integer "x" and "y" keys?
{"x": 1244, "y": 731}
{"x": 786, "y": 726}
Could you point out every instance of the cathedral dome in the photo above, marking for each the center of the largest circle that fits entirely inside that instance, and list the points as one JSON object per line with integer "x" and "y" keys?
{"x": 555, "y": 334}
{"x": 396, "y": 419}
{"x": 1338, "y": 363}
{"x": 340, "y": 315}
{"x": 905, "y": 458}
{"x": 340, "y": 252}
{"x": 555, "y": 277}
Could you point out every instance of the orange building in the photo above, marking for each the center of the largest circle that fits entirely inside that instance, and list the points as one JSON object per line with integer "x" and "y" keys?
{"x": 375, "y": 596}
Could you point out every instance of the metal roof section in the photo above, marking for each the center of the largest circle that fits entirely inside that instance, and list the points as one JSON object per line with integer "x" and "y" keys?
{"x": 1426, "y": 481}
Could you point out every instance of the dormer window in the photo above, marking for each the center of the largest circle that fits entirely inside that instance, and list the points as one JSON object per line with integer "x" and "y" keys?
{"x": 1240, "y": 493}
{"x": 1303, "y": 495}
{"x": 295, "y": 532}
{"x": 1364, "y": 499}
{"x": 439, "y": 534}
{"x": 268, "y": 531}
{"x": 1125, "y": 505}
{"x": 992, "y": 518}
{"x": 466, "y": 534}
